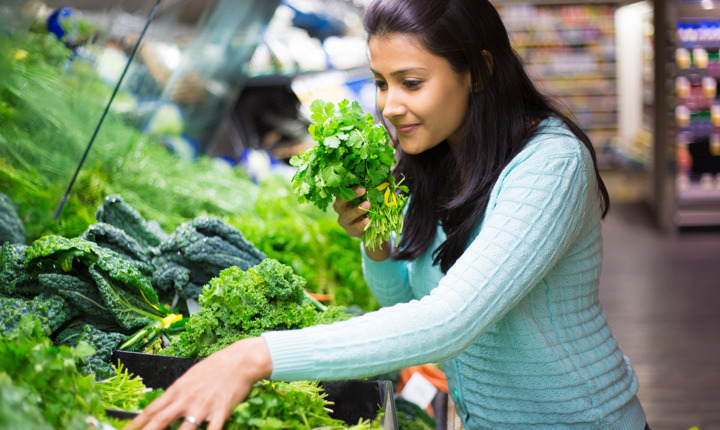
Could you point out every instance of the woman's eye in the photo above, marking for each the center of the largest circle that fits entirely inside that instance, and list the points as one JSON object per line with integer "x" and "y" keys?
{"x": 380, "y": 84}
{"x": 412, "y": 84}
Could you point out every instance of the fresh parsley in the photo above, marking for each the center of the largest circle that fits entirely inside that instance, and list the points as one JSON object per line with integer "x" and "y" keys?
{"x": 351, "y": 150}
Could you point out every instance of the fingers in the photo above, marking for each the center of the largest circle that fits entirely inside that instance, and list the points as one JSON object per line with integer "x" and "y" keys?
{"x": 340, "y": 205}
{"x": 190, "y": 422}
{"x": 352, "y": 218}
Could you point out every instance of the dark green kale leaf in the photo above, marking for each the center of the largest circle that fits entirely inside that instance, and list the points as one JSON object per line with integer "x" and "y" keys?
{"x": 12, "y": 229}
{"x": 104, "y": 344}
{"x": 116, "y": 212}
{"x": 203, "y": 247}
{"x": 82, "y": 294}
{"x": 12, "y": 267}
{"x": 51, "y": 311}
{"x": 109, "y": 236}
{"x": 127, "y": 294}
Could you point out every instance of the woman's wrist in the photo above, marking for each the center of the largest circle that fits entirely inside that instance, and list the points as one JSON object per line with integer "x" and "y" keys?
{"x": 382, "y": 253}
{"x": 254, "y": 359}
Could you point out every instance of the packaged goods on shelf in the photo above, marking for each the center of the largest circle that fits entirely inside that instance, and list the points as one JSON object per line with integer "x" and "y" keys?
{"x": 569, "y": 50}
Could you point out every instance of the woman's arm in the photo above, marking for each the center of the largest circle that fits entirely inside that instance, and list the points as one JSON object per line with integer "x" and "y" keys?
{"x": 539, "y": 209}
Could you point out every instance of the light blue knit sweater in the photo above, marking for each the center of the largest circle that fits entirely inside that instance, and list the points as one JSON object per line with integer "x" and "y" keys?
{"x": 516, "y": 321}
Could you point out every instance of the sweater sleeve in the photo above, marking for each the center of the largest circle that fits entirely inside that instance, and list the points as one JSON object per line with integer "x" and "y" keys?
{"x": 539, "y": 207}
{"x": 388, "y": 280}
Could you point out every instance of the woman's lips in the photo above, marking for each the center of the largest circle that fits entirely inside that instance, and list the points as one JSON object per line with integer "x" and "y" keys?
{"x": 406, "y": 129}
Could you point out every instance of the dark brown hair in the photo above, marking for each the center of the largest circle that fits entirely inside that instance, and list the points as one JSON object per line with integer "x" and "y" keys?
{"x": 502, "y": 116}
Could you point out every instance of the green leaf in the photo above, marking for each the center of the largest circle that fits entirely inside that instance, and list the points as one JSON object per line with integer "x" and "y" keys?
{"x": 347, "y": 194}
{"x": 317, "y": 107}
{"x": 332, "y": 178}
{"x": 332, "y": 142}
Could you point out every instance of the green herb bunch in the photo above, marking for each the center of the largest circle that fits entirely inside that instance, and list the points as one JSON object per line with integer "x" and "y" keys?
{"x": 299, "y": 405}
{"x": 351, "y": 151}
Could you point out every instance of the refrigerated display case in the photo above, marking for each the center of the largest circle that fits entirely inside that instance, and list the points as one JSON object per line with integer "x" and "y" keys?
{"x": 696, "y": 128}
{"x": 172, "y": 69}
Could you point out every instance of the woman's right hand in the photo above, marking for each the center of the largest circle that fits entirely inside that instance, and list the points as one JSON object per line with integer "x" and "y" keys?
{"x": 354, "y": 220}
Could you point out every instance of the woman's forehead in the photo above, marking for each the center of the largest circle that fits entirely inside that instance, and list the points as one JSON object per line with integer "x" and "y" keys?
{"x": 395, "y": 52}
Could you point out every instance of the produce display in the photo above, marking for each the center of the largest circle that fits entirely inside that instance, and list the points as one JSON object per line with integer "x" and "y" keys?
{"x": 73, "y": 291}
{"x": 143, "y": 234}
{"x": 48, "y": 107}
{"x": 350, "y": 151}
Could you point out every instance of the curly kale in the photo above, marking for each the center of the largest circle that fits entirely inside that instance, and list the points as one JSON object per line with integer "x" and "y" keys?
{"x": 126, "y": 292}
{"x": 12, "y": 229}
{"x": 116, "y": 212}
{"x": 239, "y": 304}
{"x": 104, "y": 344}
{"x": 50, "y": 310}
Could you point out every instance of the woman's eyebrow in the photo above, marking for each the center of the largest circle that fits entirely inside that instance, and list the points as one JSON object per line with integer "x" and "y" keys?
{"x": 399, "y": 72}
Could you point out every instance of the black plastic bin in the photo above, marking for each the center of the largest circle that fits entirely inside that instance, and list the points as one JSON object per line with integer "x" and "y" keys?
{"x": 353, "y": 399}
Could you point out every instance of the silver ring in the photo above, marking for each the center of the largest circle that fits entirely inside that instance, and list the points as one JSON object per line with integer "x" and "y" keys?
{"x": 191, "y": 419}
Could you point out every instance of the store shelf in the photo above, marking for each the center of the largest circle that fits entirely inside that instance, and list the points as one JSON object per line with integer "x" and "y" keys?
{"x": 697, "y": 195}
{"x": 569, "y": 51}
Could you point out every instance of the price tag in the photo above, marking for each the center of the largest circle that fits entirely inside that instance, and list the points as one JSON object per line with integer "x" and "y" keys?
{"x": 419, "y": 391}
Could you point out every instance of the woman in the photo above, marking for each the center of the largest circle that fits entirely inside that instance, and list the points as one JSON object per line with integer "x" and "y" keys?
{"x": 496, "y": 274}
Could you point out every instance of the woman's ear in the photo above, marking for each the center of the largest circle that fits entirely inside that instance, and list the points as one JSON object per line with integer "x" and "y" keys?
{"x": 477, "y": 86}
{"x": 488, "y": 60}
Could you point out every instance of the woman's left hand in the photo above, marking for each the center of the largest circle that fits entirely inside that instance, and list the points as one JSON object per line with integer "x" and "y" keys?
{"x": 210, "y": 389}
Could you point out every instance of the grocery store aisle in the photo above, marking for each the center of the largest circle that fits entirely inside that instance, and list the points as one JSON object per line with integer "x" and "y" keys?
{"x": 662, "y": 296}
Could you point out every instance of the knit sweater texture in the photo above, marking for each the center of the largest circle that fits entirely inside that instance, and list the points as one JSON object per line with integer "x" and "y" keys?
{"x": 516, "y": 321}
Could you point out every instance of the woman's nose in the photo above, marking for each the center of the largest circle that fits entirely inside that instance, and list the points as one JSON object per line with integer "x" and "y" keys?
{"x": 393, "y": 105}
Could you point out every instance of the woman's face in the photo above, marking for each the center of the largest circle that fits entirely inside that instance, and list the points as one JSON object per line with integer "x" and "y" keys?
{"x": 419, "y": 92}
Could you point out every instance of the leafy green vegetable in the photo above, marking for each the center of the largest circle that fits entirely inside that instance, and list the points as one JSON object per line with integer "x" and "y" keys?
{"x": 104, "y": 344}
{"x": 117, "y": 213}
{"x": 111, "y": 237}
{"x": 11, "y": 226}
{"x": 126, "y": 293}
{"x": 308, "y": 240}
{"x": 411, "y": 416}
{"x": 292, "y": 406}
{"x": 15, "y": 411}
{"x": 49, "y": 310}
{"x": 12, "y": 267}
{"x": 46, "y": 379}
{"x": 351, "y": 150}
{"x": 239, "y": 304}
{"x": 83, "y": 294}
{"x": 199, "y": 250}
{"x": 123, "y": 391}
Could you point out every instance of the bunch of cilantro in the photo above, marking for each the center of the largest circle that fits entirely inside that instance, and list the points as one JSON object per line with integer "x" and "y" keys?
{"x": 351, "y": 151}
